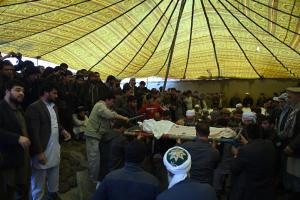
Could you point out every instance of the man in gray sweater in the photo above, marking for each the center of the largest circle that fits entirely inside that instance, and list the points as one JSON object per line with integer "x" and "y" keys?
{"x": 99, "y": 122}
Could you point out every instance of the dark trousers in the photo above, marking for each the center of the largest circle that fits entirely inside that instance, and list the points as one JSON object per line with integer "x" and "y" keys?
{"x": 20, "y": 192}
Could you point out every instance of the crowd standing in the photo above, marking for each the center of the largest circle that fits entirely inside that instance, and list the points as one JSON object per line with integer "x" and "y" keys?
{"x": 42, "y": 107}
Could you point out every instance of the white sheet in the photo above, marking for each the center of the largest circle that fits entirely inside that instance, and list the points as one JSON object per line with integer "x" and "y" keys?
{"x": 159, "y": 128}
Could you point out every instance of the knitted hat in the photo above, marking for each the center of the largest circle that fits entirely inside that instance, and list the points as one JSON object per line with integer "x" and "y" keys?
{"x": 135, "y": 152}
{"x": 178, "y": 162}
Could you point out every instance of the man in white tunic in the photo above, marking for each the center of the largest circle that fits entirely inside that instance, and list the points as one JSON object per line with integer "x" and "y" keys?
{"x": 44, "y": 130}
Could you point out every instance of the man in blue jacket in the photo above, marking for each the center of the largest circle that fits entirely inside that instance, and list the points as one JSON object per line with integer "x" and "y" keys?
{"x": 131, "y": 181}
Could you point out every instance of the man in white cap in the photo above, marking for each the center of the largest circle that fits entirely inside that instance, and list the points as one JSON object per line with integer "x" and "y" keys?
{"x": 291, "y": 136}
{"x": 249, "y": 118}
{"x": 239, "y": 107}
{"x": 177, "y": 161}
{"x": 189, "y": 120}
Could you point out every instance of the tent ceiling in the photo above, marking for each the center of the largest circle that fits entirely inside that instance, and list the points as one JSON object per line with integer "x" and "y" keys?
{"x": 224, "y": 38}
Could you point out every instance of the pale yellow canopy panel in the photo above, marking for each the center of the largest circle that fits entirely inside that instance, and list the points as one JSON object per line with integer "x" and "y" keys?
{"x": 133, "y": 38}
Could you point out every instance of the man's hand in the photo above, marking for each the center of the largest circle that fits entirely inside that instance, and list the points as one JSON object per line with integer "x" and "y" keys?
{"x": 178, "y": 140}
{"x": 126, "y": 119}
{"x": 42, "y": 158}
{"x": 214, "y": 144}
{"x": 140, "y": 136}
{"x": 288, "y": 151}
{"x": 24, "y": 142}
{"x": 244, "y": 140}
{"x": 66, "y": 134}
{"x": 234, "y": 151}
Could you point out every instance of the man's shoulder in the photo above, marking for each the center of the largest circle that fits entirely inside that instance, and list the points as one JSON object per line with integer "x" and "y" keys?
{"x": 99, "y": 105}
{"x": 151, "y": 179}
{"x": 197, "y": 143}
{"x": 141, "y": 176}
{"x": 3, "y": 103}
{"x": 115, "y": 174}
{"x": 187, "y": 187}
{"x": 188, "y": 144}
{"x": 35, "y": 104}
{"x": 255, "y": 146}
{"x": 4, "y": 107}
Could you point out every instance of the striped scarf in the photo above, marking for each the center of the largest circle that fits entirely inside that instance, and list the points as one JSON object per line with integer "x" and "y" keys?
{"x": 288, "y": 130}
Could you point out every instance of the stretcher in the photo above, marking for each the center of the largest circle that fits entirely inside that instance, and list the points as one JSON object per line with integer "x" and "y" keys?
{"x": 167, "y": 129}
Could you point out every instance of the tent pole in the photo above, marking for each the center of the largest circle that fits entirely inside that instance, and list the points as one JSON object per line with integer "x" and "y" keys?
{"x": 173, "y": 43}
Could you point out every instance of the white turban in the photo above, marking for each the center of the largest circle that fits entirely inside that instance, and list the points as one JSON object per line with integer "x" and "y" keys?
{"x": 177, "y": 160}
{"x": 249, "y": 116}
{"x": 190, "y": 113}
{"x": 239, "y": 105}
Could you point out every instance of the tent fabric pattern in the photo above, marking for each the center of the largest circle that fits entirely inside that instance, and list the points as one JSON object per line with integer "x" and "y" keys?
{"x": 126, "y": 38}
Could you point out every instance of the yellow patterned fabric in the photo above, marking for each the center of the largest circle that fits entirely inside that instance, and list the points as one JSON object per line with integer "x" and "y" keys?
{"x": 126, "y": 38}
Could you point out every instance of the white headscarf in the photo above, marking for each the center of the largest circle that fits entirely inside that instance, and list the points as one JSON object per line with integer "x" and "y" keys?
{"x": 177, "y": 160}
{"x": 190, "y": 113}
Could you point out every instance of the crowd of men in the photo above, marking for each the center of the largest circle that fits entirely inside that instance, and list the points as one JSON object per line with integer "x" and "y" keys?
{"x": 41, "y": 107}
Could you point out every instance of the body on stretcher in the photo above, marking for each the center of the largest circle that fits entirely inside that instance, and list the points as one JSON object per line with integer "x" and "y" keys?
{"x": 150, "y": 128}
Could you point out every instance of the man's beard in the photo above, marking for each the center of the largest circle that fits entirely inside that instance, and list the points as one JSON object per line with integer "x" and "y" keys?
{"x": 15, "y": 101}
{"x": 49, "y": 100}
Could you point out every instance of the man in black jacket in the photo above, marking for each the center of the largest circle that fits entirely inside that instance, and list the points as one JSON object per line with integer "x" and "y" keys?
{"x": 14, "y": 143}
{"x": 44, "y": 129}
{"x": 205, "y": 158}
{"x": 112, "y": 149}
{"x": 131, "y": 181}
{"x": 253, "y": 168}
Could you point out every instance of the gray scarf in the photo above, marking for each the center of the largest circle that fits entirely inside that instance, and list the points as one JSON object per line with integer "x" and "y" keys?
{"x": 288, "y": 130}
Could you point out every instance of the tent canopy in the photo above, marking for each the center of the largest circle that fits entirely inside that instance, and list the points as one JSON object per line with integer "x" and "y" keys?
{"x": 126, "y": 38}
